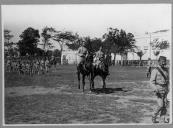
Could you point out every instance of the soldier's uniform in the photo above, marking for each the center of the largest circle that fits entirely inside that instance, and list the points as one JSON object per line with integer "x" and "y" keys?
{"x": 81, "y": 55}
{"x": 47, "y": 65}
{"x": 99, "y": 56}
{"x": 148, "y": 68}
{"x": 159, "y": 81}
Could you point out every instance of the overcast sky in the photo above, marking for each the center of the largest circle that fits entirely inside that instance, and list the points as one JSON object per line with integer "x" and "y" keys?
{"x": 88, "y": 20}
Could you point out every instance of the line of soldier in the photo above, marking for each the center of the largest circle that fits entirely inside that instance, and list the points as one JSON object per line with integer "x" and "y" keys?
{"x": 28, "y": 66}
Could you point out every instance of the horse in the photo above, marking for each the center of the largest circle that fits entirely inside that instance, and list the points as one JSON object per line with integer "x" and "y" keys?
{"x": 85, "y": 69}
{"x": 101, "y": 70}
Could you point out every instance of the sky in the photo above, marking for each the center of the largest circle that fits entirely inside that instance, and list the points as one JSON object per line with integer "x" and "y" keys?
{"x": 90, "y": 20}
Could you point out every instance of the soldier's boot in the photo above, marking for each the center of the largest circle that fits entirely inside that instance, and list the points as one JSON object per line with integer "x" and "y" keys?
{"x": 156, "y": 113}
{"x": 154, "y": 117}
{"x": 163, "y": 115}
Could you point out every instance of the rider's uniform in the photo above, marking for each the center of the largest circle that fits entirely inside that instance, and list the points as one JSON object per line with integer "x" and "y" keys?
{"x": 149, "y": 68}
{"x": 99, "y": 56}
{"x": 81, "y": 55}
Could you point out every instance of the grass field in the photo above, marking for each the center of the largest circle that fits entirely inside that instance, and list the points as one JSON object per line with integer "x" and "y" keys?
{"x": 54, "y": 98}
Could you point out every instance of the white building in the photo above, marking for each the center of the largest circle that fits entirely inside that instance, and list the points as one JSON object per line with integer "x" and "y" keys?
{"x": 68, "y": 57}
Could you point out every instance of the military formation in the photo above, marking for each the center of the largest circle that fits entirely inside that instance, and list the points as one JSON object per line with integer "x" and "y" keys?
{"x": 25, "y": 66}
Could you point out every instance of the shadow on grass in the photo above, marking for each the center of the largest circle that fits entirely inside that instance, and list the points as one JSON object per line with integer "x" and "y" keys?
{"x": 108, "y": 90}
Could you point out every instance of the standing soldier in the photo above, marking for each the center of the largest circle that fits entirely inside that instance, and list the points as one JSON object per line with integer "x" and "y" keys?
{"x": 149, "y": 68}
{"x": 159, "y": 82}
{"x": 47, "y": 65}
{"x": 42, "y": 65}
{"x": 82, "y": 53}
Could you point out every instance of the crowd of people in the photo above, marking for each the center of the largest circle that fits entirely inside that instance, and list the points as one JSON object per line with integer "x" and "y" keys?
{"x": 27, "y": 66}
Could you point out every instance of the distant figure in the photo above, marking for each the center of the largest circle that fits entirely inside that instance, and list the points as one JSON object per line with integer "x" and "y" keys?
{"x": 81, "y": 54}
{"x": 149, "y": 68}
{"x": 47, "y": 65}
{"x": 159, "y": 81}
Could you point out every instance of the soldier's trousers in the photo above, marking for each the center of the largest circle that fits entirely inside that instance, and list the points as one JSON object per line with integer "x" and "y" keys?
{"x": 162, "y": 102}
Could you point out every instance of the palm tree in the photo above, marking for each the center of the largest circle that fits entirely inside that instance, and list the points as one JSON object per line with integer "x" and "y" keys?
{"x": 140, "y": 53}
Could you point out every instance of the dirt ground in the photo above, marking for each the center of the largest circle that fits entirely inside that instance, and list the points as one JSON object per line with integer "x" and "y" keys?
{"x": 54, "y": 98}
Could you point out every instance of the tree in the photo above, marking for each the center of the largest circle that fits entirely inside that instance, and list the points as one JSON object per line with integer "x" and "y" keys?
{"x": 110, "y": 43}
{"x": 56, "y": 53}
{"x": 7, "y": 36}
{"x": 47, "y": 35}
{"x": 140, "y": 54}
{"x": 63, "y": 38}
{"x": 159, "y": 45}
{"x": 118, "y": 41}
{"x": 92, "y": 45}
{"x": 49, "y": 53}
{"x": 28, "y": 41}
{"x": 7, "y": 44}
{"x": 39, "y": 52}
{"x": 76, "y": 43}
{"x": 126, "y": 42}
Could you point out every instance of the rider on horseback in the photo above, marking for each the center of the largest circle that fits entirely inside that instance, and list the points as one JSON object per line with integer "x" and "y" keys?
{"x": 99, "y": 60}
{"x": 99, "y": 56}
{"x": 82, "y": 54}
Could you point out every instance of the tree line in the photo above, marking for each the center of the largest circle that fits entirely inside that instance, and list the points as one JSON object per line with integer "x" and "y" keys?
{"x": 114, "y": 41}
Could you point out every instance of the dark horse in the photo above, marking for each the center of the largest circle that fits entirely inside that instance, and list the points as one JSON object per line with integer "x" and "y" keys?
{"x": 88, "y": 69}
{"x": 85, "y": 70}
{"x": 101, "y": 70}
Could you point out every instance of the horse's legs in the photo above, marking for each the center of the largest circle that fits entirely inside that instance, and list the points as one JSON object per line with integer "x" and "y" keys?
{"x": 104, "y": 83}
{"x": 83, "y": 82}
{"x": 92, "y": 81}
{"x": 78, "y": 75}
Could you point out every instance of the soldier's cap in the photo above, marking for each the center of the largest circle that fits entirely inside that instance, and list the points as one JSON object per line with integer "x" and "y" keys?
{"x": 162, "y": 58}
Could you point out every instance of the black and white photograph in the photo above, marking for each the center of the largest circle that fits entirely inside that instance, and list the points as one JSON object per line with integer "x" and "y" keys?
{"x": 87, "y": 64}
